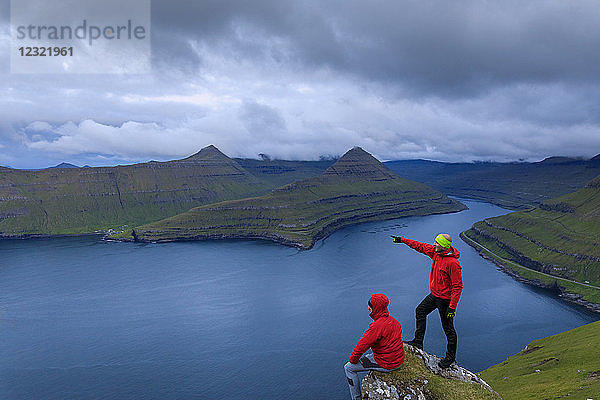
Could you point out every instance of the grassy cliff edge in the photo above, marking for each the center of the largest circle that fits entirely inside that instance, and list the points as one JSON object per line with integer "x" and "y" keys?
{"x": 565, "y": 365}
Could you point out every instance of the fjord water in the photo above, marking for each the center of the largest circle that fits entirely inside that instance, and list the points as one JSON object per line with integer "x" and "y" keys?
{"x": 81, "y": 318}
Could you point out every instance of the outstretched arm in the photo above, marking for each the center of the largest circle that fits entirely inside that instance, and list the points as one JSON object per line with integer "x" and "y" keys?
{"x": 425, "y": 248}
{"x": 367, "y": 340}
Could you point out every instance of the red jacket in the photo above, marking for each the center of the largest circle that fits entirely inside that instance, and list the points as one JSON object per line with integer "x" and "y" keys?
{"x": 445, "y": 279}
{"x": 384, "y": 336}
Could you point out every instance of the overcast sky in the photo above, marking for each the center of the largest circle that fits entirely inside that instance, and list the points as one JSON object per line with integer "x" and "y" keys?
{"x": 441, "y": 80}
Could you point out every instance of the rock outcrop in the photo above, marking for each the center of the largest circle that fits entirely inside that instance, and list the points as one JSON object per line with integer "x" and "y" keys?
{"x": 420, "y": 378}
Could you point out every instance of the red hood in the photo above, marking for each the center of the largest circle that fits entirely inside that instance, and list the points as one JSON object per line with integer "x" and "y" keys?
{"x": 380, "y": 303}
{"x": 451, "y": 252}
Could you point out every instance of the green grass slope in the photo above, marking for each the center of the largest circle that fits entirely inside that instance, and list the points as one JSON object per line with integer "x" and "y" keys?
{"x": 357, "y": 188}
{"x": 560, "y": 238}
{"x": 510, "y": 185}
{"x": 82, "y": 200}
{"x": 563, "y": 366}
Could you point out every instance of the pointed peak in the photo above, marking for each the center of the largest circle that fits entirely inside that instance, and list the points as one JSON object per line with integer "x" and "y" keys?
{"x": 65, "y": 165}
{"x": 209, "y": 152}
{"x": 357, "y": 163}
{"x": 358, "y": 153}
{"x": 211, "y": 157}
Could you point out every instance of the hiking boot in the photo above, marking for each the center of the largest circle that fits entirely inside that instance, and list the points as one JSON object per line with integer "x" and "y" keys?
{"x": 445, "y": 363}
{"x": 416, "y": 343}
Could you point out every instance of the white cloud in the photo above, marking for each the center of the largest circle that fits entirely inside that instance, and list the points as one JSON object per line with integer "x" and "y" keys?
{"x": 38, "y": 126}
{"x": 303, "y": 127}
{"x": 200, "y": 99}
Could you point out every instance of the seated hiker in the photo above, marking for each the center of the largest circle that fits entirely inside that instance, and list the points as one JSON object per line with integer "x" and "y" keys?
{"x": 384, "y": 337}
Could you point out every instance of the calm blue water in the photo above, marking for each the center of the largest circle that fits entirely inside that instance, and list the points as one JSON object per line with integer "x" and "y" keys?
{"x": 85, "y": 319}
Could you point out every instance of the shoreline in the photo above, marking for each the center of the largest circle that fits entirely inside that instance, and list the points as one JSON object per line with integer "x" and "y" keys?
{"x": 556, "y": 289}
{"x": 27, "y": 236}
{"x": 324, "y": 233}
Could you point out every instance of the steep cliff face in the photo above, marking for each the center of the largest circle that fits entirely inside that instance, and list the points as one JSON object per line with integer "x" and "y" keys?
{"x": 357, "y": 188}
{"x": 420, "y": 378}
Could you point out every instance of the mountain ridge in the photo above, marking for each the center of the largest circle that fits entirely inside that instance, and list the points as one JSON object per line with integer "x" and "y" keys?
{"x": 515, "y": 186}
{"x": 300, "y": 213}
{"x": 84, "y": 200}
{"x": 58, "y": 201}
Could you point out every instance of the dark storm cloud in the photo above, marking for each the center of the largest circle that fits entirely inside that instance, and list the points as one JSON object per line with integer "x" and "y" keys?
{"x": 446, "y": 80}
{"x": 430, "y": 47}
{"x": 448, "y": 47}
{"x": 303, "y": 27}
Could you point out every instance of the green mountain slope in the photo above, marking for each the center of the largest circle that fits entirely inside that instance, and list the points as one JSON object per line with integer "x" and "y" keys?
{"x": 560, "y": 238}
{"x": 357, "y": 188}
{"x": 80, "y": 200}
{"x": 510, "y": 185}
{"x": 281, "y": 172}
{"x": 563, "y": 366}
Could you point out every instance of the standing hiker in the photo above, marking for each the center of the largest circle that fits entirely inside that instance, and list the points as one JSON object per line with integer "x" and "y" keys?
{"x": 384, "y": 337}
{"x": 445, "y": 282}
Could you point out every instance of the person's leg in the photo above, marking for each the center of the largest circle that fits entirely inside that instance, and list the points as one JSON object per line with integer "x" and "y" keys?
{"x": 421, "y": 312}
{"x": 352, "y": 371}
{"x": 448, "y": 325}
{"x": 366, "y": 363}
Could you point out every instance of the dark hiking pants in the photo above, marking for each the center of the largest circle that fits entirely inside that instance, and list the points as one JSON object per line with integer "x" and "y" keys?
{"x": 426, "y": 306}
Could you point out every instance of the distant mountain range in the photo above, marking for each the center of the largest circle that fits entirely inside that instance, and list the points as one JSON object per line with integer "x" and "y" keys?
{"x": 65, "y": 165}
{"x": 357, "y": 188}
{"x": 509, "y": 185}
{"x": 70, "y": 200}
{"x": 561, "y": 238}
